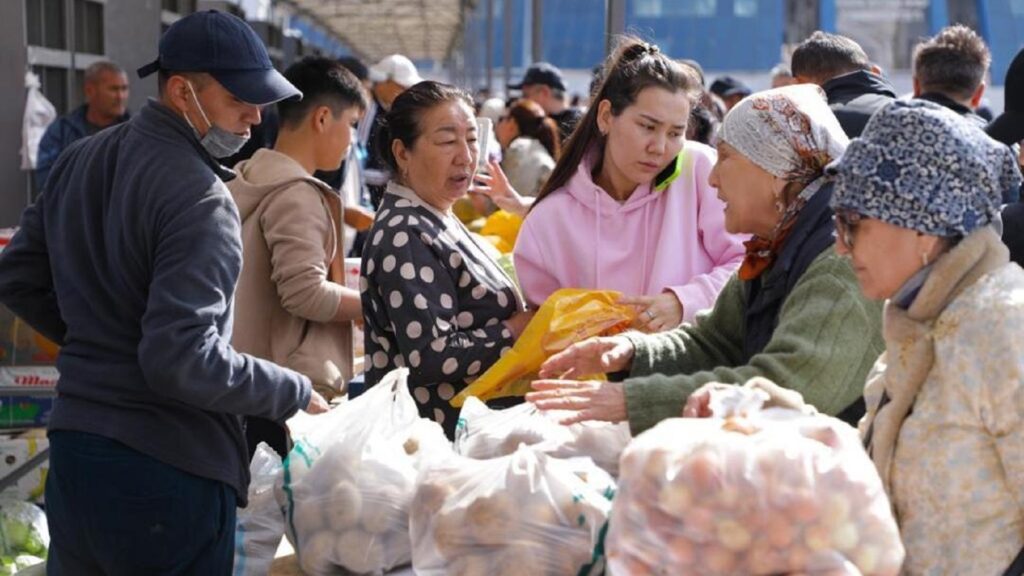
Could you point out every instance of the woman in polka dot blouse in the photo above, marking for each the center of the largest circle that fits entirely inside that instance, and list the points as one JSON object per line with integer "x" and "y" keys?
{"x": 432, "y": 299}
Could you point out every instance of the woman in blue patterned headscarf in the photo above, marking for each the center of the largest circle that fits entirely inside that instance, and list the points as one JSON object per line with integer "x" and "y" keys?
{"x": 916, "y": 203}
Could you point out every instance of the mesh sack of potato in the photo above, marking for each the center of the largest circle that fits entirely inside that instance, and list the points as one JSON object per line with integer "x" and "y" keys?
{"x": 524, "y": 514}
{"x": 769, "y": 492}
{"x": 483, "y": 433}
{"x": 349, "y": 482}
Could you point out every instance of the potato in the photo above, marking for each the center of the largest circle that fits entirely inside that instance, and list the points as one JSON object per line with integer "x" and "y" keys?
{"x": 450, "y": 536}
{"x": 733, "y": 536}
{"x": 718, "y": 560}
{"x": 682, "y": 551}
{"x": 316, "y": 552}
{"x": 627, "y": 564}
{"x": 488, "y": 518}
{"x": 308, "y": 516}
{"x": 383, "y": 510}
{"x": 470, "y": 565}
{"x": 360, "y": 551}
{"x": 518, "y": 559}
{"x": 704, "y": 471}
{"x": 429, "y": 498}
{"x": 675, "y": 499}
{"x": 343, "y": 507}
{"x": 538, "y": 513}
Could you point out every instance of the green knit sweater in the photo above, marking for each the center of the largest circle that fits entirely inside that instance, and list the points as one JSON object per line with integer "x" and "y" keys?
{"x": 828, "y": 337}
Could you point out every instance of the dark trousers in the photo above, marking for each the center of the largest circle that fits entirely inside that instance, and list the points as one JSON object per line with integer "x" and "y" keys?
{"x": 114, "y": 511}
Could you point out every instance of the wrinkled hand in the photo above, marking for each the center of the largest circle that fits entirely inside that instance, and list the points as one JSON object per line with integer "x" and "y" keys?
{"x": 698, "y": 404}
{"x": 317, "y": 404}
{"x": 599, "y": 355}
{"x": 496, "y": 187}
{"x": 588, "y": 400}
{"x": 358, "y": 218}
{"x": 655, "y": 313}
{"x": 517, "y": 323}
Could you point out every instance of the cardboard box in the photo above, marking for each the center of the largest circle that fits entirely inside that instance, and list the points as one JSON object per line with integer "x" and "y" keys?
{"x": 26, "y": 396}
{"x": 20, "y": 345}
{"x": 14, "y": 453}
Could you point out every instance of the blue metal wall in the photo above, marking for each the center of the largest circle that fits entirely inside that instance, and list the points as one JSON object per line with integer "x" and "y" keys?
{"x": 705, "y": 30}
{"x": 1002, "y": 25}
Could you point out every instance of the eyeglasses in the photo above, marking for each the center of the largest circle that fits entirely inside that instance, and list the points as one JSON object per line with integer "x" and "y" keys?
{"x": 846, "y": 222}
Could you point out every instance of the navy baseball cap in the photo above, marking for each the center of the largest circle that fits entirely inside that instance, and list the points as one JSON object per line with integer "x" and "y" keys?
{"x": 542, "y": 73}
{"x": 228, "y": 49}
{"x": 725, "y": 86}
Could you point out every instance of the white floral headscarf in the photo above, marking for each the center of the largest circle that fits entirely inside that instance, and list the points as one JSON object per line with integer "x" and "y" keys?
{"x": 790, "y": 132}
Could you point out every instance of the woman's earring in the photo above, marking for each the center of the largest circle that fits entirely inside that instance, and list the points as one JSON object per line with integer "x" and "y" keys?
{"x": 924, "y": 259}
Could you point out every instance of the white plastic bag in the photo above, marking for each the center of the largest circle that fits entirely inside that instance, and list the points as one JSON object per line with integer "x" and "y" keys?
{"x": 260, "y": 525}
{"x": 39, "y": 113}
{"x": 484, "y": 433}
{"x": 348, "y": 483}
{"x": 768, "y": 492}
{"x": 24, "y": 535}
{"x": 523, "y": 514}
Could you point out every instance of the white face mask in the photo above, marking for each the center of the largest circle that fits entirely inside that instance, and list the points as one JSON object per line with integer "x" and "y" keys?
{"x": 220, "y": 143}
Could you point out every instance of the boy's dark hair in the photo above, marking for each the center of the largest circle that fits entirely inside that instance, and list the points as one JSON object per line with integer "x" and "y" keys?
{"x": 403, "y": 120}
{"x": 824, "y": 56}
{"x": 323, "y": 82}
{"x": 953, "y": 63}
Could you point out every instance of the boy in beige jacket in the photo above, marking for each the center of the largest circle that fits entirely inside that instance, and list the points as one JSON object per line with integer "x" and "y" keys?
{"x": 291, "y": 304}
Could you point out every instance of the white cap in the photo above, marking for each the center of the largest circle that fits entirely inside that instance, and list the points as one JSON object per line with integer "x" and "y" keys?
{"x": 397, "y": 68}
{"x": 492, "y": 108}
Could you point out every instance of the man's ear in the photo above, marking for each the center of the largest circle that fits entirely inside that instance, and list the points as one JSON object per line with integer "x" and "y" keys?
{"x": 977, "y": 96}
{"x": 321, "y": 119}
{"x": 177, "y": 93}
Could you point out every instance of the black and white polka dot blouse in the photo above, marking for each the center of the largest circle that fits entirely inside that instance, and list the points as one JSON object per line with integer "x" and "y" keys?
{"x": 432, "y": 300}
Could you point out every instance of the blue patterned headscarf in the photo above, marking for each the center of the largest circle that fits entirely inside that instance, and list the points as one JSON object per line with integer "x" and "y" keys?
{"x": 923, "y": 167}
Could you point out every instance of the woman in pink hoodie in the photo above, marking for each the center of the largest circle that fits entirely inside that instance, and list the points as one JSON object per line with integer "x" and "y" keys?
{"x": 628, "y": 206}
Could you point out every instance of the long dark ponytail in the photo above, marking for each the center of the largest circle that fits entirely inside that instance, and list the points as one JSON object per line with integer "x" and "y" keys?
{"x": 634, "y": 66}
{"x": 534, "y": 123}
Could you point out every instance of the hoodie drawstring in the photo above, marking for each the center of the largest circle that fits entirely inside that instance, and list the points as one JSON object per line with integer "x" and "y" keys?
{"x": 597, "y": 247}
{"x": 644, "y": 279}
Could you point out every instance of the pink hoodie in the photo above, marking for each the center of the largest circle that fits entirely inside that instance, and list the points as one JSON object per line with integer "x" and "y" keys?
{"x": 581, "y": 237}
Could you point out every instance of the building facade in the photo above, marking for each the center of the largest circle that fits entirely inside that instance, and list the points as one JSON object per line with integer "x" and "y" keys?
{"x": 59, "y": 39}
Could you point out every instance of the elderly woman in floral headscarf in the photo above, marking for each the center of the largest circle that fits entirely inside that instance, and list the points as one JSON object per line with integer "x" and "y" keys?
{"x": 792, "y": 314}
{"x": 914, "y": 200}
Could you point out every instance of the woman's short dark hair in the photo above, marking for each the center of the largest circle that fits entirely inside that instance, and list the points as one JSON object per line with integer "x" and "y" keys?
{"x": 633, "y": 67}
{"x": 403, "y": 121}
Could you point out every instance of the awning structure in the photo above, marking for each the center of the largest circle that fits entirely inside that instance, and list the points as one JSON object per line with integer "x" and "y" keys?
{"x": 419, "y": 29}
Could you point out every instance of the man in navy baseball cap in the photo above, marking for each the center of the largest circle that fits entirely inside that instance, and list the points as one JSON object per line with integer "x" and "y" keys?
{"x": 129, "y": 259}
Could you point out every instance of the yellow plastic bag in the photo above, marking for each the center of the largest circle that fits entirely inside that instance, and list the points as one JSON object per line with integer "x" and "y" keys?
{"x": 501, "y": 229}
{"x": 568, "y": 316}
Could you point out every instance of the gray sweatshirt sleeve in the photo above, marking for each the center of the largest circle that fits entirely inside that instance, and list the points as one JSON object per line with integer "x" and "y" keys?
{"x": 185, "y": 352}
{"x": 26, "y": 283}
